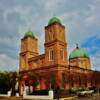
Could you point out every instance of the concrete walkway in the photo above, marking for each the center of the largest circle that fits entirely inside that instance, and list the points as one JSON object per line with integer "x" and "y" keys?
{"x": 20, "y": 98}
{"x": 69, "y": 98}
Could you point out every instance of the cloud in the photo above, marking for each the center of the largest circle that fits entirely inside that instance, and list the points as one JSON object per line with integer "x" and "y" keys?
{"x": 95, "y": 62}
{"x": 92, "y": 45}
{"x": 80, "y": 18}
{"x": 7, "y": 63}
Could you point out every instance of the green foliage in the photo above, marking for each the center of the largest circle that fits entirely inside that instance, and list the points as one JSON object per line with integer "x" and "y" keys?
{"x": 35, "y": 84}
{"x": 4, "y": 82}
{"x": 7, "y": 81}
{"x": 40, "y": 92}
{"x": 13, "y": 77}
{"x": 72, "y": 91}
{"x": 61, "y": 93}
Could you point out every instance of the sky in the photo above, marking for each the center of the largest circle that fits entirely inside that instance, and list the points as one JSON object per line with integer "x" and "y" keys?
{"x": 80, "y": 17}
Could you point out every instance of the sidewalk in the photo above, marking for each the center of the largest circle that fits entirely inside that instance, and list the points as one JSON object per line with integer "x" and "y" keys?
{"x": 16, "y": 98}
{"x": 76, "y": 97}
{"x": 68, "y": 98}
{"x": 20, "y": 98}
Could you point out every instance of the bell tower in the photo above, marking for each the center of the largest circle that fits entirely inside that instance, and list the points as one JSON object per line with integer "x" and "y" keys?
{"x": 29, "y": 48}
{"x": 55, "y": 43}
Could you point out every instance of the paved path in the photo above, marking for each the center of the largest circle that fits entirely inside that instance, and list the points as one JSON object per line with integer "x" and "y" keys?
{"x": 94, "y": 97}
{"x": 10, "y": 98}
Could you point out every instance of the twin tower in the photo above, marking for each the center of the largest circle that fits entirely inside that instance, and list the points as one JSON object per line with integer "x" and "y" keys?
{"x": 55, "y": 48}
{"x": 52, "y": 68}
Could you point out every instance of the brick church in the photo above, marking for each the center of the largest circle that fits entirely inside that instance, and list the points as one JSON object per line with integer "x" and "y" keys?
{"x": 54, "y": 67}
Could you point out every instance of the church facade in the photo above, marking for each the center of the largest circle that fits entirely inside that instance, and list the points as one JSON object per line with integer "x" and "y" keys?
{"x": 54, "y": 67}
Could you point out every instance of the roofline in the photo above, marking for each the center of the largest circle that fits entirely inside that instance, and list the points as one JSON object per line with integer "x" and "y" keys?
{"x": 29, "y": 37}
{"x": 36, "y": 57}
{"x": 79, "y": 57}
{"x": 54, "y": 24}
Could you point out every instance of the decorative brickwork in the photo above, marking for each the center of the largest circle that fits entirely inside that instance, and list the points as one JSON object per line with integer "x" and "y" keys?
{"x": 51, "y": 69}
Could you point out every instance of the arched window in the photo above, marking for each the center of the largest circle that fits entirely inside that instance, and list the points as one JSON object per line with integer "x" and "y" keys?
{"x": 52, "y": 81}
{"x": 72, "y": 83}
{"x": 52, "y": 36}
{"x": 62, "y": 54}
{"x": 23, "y": 61}
{"x": 64, "y": 80}
{"x": 80, "y": 83}
{"x": 49, "y": 38}
{"x": 81, "y": 64}
{"x": 51, "y": 54}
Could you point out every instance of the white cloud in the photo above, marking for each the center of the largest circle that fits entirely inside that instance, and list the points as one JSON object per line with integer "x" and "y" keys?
{"x": 7, "y": 63}
{"x": 79, "y": 17}
{"x": 95, "y": 62}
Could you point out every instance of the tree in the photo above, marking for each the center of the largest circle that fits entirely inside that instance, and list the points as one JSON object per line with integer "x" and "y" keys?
{"x": 4, "y": 82}
{"x": 35, "y": 83}
{"x": 8, "y": 82}
{"x": 13, "y": 81}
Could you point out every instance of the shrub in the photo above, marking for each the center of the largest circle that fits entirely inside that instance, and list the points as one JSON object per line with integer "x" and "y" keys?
{"x": 72, "y": 92}
{"x": 61, "y": 93}
{"x": 39, "y": 92}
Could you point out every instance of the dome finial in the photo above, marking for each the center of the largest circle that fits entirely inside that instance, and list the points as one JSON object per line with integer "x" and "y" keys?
{"x": 77, "y": 46}
{"x": 29, "y": 34}
{"x": 54, "y": 19}
{"x": 78, "y": 52}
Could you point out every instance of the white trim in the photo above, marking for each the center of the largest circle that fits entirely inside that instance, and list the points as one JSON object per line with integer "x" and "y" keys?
{"x": 6, "y": 95}
{"x": 48, "y": 97}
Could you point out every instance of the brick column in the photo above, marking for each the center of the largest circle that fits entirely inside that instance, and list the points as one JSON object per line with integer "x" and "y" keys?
{"x": 67, "y": 82}
{"x": 42, "y": 84}
{"x": 59, "y": 79}
{"x": 21, "y": 87}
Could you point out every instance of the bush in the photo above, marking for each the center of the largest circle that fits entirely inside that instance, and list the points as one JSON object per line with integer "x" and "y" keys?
{"x": 61, "y": 93}
{"x": 72, "y": 92}
{"x": 40, "y": 92}
{"x": 4, "y": 82}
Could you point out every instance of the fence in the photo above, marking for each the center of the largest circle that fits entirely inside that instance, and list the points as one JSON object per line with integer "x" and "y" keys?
{"x": 6, "y": 95}
{"x": 50, "y": 96}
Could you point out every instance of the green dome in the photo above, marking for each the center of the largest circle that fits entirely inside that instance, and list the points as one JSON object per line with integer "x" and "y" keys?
{"x": 53, "y": 20}
{"x": 78, "y": 52}
{"x": 29, "y": 34}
